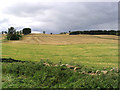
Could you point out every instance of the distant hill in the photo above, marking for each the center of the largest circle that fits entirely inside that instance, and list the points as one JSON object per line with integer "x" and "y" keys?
{"x": 66, "y": 39}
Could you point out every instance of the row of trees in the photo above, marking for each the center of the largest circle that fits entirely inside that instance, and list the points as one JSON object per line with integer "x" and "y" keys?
{"x": 63, "y": 33}
{"x": 12, "y": 30}
{"x": 12, "y": 34}
{"x": 96, "y": 32}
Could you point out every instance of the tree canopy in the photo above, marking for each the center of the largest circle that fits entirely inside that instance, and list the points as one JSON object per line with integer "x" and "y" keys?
{"x": 26, "y": 31}
{"x": 12, "y": 35}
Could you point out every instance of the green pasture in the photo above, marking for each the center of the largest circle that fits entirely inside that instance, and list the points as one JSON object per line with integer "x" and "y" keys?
{"x": 90, "y": 55}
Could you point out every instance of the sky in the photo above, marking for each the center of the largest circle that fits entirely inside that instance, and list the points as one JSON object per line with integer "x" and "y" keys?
{"x": 59, "y": 16}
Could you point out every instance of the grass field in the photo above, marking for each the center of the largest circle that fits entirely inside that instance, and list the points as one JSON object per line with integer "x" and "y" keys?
{"x": 90, "y": 50}
{"x": 91, "y": 53}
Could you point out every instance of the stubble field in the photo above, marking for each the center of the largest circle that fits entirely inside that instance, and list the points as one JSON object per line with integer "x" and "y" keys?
{"x": 89, "y": 50}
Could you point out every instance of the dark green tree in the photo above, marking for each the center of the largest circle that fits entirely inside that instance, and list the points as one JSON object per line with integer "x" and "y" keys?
{"x": 11, "y": 30}
{"x": 5, "y": 32}
{"x": 26, "y": 31}
{"x": 43, "y": 32}
{"x": 63, "y": 33}
{"x": 12, "y": 35}
{"x": 2, "y": 32}
{"x": 20, "y": 32}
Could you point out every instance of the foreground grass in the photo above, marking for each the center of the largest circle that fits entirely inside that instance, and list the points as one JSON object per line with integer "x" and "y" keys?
{"x": 35, "y": 75}
{"x": 91, "y": 55}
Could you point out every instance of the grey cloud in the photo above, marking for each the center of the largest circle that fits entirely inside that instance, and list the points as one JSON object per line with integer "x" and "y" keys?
{"x": 26, "y": 9}
{"x": 3, "y": 20}
{"x": 59, "y": 17}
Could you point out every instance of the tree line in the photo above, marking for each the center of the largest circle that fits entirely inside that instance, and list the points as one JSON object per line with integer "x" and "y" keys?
{"x": 96, "y": 32}
{"x": 12, "y": 34}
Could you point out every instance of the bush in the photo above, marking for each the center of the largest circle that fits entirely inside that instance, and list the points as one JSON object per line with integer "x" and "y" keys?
{"x": 14, "y": 36}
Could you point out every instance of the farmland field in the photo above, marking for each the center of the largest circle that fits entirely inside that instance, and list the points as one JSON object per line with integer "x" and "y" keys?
{"x": 89, "y": 50}
{"x": 91, "y": 53}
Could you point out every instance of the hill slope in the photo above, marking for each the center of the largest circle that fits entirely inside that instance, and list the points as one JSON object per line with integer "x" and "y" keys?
{"x": 67, "y": 39}
{"x": 89, "y": 50}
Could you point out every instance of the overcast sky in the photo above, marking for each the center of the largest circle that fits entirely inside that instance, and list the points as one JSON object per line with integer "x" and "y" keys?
{"x": 58, "y": 17}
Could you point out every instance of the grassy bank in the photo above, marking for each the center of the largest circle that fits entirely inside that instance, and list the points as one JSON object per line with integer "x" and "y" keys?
{"x": 36, "y": 75}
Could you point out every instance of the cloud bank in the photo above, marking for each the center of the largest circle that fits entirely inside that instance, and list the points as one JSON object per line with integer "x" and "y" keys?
{"x": 58, "y": 17}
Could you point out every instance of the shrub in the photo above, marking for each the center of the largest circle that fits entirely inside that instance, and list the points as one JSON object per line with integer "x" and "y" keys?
{"x": 14, "y": 36}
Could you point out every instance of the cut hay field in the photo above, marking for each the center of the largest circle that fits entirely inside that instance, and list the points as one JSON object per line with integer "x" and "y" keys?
{"x": 90, "y": 50}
